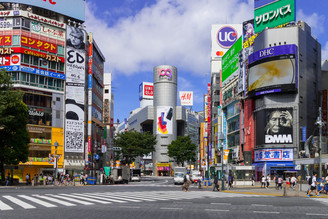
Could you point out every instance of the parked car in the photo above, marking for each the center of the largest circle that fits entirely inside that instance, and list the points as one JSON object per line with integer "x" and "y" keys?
{"x": 196, "y": 177}
{"x": 135, "y": 178}
{"x": 178, "y": 178}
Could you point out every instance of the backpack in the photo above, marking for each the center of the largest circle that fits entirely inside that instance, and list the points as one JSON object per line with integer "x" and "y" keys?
{"x": 310, "y": 180}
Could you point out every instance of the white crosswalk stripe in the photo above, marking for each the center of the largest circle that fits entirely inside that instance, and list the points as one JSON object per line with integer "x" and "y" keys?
{"x": 8, "y": 202}
{"x": 322, "y": 200}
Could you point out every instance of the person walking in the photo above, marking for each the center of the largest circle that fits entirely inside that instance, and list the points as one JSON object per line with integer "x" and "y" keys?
{"x": 263, "y": 179}
{"x": 230, "y": 182}
{"x": 186, "y": 182}
{"x": 313, "y": 185}
{"x": 27, "y": 177}
{"x": 268, "y": 178}
{"x": 8, "y": 180}
{"x": 276, "y": 181}
{"x": 280, "y": 182}
{"x": 253, "y": 179}
{"x": 215, "y": 183}
{"x": 293, "y": 182}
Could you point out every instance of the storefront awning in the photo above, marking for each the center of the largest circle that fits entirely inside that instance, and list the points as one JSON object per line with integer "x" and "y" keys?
{"x": 274, "y": 164}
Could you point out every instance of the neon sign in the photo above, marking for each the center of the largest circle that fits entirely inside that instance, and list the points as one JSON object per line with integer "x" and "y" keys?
{"x": 165, "y": 72}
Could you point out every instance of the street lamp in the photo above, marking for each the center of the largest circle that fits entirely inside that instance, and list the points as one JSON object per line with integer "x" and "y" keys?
{"x": 56, "y": 145}
{"x": 221, "y": 138}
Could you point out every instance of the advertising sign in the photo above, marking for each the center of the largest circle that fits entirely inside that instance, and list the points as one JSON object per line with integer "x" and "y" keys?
{"x": 230, "y": 62}
{"x": 164, "y": 117}
{"x": 248, "y": 33}
{"x": 272, "y": 15}
{"x": 75, "y": 83}
{"x": 186, "y": 98}
{"x": 241, "y": 73}
{"x": 42, "y": 72}
{"x": 59, "y": 6}
{"x": 225, "y": 156}
{"x": 324, "y": 111}
{"x": 273, "y": 69}
{"x": 223, "y": 37}
{"x": 165, "y": 74}
{"x": 277, "y": 127}
{"x": 47, "y": 30}
{"x": 274, "y": 155}
{"x": 224, "y": 128}
{"x": 6, "y": 40}
{"x": 38, "y": 44}
{"x": 205, "y": 107}
{"x": 146, "y": 90}
{"x": 13, "y": 59}
{"x": 6, "y": 24}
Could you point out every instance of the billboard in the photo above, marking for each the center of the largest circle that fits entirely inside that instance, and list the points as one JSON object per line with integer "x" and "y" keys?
{"x": 274, "y": 155}
{"x": 59, "y": 6}
{"x": 272, "y": 70}
{"x": 223, "y": 37}
{"x": 146, "y": 90}
{"x": 75, "y": 83}
{"x": 9, "y": 60}
{"x": 261, "y": 3}
{"x": 186, "y": 98}
{"x": 274, "y": 126}
{"x": 164, "y": 118}
{"x": 274, "y": 14}
{"x": 230, "y": 63}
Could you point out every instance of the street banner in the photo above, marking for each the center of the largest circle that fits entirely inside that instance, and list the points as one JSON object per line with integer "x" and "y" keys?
{"x": 225, "y": 156}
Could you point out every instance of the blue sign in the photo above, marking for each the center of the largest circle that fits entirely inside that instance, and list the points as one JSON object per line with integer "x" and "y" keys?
{"x": 227, "y": 36}
{"x": 11, "y": 67}
{"x": 90, "y": 81}
{"x": 261, "y": 3}
{"x": 224, "y": 128}
{"x": 96, "y": 156}
{"x": 304, "y": 133}
{"x": 42, "y": 72}
{"x": 274, "y": 155}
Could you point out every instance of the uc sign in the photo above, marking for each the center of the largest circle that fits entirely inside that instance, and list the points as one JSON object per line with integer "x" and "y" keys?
{"x": 227, "y": 36}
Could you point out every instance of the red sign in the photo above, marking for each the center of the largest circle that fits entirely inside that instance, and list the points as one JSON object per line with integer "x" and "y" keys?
{"x": 46, "y": 56}
{"x": 10, "y": 60}
{"x": 38, "y": 44}
{"x": 149, "y": 90}
{"x": 5, "y": 40}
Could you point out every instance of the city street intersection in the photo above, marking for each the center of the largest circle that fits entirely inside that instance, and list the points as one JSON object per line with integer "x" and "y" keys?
{"x": 149, "y": 199}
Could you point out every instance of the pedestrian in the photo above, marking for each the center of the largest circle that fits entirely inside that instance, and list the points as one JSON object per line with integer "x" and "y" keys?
{"x": 288, "y": 182}
{"x": 276, "y": 181}
{"x": 186, "y": 182}
{"x": 230, "y": 181}
{"x": 293, "y": 181}
{"x": 8, "y": 180}
{"x": 313, "y": 185}
{"x": 280, "y": 182}
{"x": 268, "y": 178}
{"x": 27, "y": 177}
{"x": 215, "y": 183}
{"x": 253, "y": 179}
{"x": 263, "y": 179}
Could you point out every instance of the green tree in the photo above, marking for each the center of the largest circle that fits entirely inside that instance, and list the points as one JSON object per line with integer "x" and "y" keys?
{"x": 134, "y": 144}
{"x": 14, "y": 137}
{"x": 182, "y": 150}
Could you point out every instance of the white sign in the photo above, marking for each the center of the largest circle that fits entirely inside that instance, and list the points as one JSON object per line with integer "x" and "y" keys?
{"x": 164, "y": 120}
{"x": 223, "y": 37}
{"x": 274, "y": 155}
{"x": 146, "y": 90}
{"x": 186, "y": 98}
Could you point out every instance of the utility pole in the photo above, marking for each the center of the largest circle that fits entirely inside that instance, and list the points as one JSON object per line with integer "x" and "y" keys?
{"x": 320, "y": 124}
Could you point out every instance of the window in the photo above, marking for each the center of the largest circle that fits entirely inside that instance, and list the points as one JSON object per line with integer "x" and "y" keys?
{"x": 106, "y": 91}
{"x": 53, "y": 65}
{"x": 35, "y": 60}
{"x": 41, "y": 80}
{"x": 60, "y": 50}
{"x": 23, "y": 77}
{"x": 50, "y": 82}
{"x": 57, "y": 114}
{"x": 26, "y": 59}
{"x": 32, "y": 78}
{"x": 57, "y": 98}
{"x": 16, "y": 40}
{"x": 61, "y": 66}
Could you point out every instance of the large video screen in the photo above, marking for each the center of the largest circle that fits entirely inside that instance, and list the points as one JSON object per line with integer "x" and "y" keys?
{"x": 271, "y": 73}
{"x": 274, "y": 126}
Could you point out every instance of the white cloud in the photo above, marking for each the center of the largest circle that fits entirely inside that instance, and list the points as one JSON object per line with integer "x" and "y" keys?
{"x": 314, "y": 20}
{"x": 324, "y": 52}
{"x": 175, "y": 32}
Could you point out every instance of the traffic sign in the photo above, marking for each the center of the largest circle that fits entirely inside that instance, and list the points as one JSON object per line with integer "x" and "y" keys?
{"x": 96, "y": 156}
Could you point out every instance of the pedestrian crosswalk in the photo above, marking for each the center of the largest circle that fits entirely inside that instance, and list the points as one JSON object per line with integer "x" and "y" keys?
{"x": 321, "y": 200}
{"x": 34, "y": 201}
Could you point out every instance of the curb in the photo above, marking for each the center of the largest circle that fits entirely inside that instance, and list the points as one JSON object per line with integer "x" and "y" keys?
{"x": 253, "y": 193}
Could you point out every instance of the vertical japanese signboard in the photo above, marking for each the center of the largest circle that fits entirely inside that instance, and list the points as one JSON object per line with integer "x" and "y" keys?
{"x": 75, "y": 83}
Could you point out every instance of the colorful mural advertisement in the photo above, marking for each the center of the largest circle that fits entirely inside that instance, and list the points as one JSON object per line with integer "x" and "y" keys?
{"x": 164, "y": 120}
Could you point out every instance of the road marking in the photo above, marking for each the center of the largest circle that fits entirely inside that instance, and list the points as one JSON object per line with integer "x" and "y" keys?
{"x": 259, "y": 205}
{"x": 55, "y": 200}
{"x": 314, "y": 214}
{"x": 72, "y": 200}
{"x": 18, "y": 202}
{"x": 171, "y": 208}
{"x": 182, "y": 202}
{"x": 116, "y": 196}
{"x": 4, "y": 206}
{"x": 86, "y": 199}
{"x": 216, "y": 210}
{"x": 101, "y": 198}
{"x": 266, "y": 212}
{"x": 38, "y": 201}
{"x": 220, "y": 203}
{"x": 128, "y": 206}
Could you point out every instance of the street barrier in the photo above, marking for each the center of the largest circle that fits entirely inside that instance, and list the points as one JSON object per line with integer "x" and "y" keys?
{"x": 91, "y": 180}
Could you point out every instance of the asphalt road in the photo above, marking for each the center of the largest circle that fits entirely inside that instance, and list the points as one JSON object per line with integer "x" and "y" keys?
{"x": 152, "y": 198}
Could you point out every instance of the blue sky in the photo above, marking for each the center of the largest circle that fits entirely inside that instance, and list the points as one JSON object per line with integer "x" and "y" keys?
{"x": 136, "y": 35}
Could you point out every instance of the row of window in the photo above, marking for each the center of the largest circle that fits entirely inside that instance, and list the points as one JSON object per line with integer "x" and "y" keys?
{"x": 37, "y": 61}
{"x": 37, "y": 81}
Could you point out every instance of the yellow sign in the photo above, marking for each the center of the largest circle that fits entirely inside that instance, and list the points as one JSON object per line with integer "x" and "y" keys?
{"x": 225, "y": 156}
